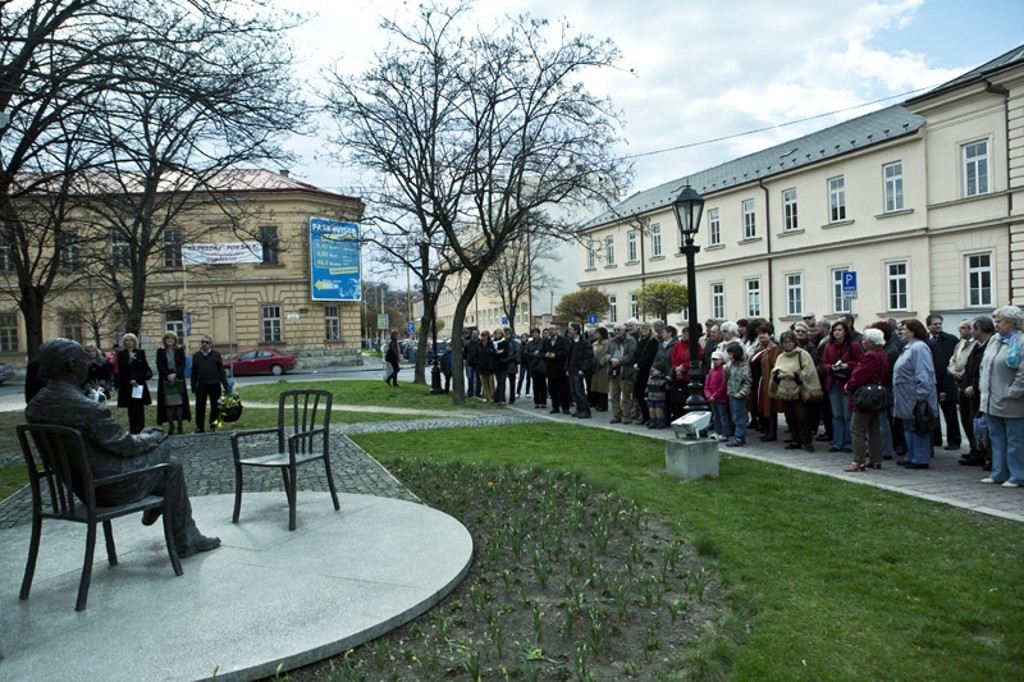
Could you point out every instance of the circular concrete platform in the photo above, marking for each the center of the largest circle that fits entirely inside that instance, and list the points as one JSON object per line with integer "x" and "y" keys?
{"x": 266, "y": 597}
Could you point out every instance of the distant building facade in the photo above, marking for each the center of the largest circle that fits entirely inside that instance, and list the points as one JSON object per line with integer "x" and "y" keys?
{"x": 242, "y": 305}
{"x": 923, "y": 203}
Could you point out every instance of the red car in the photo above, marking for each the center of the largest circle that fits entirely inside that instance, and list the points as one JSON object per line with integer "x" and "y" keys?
{"x": 264, "y": 361}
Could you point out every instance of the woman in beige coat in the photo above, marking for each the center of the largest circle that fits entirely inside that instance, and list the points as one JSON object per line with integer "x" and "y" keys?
{"x": 599, "y": 380}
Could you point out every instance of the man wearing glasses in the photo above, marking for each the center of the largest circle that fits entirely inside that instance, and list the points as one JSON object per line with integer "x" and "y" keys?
{"x": 208, "y": 376}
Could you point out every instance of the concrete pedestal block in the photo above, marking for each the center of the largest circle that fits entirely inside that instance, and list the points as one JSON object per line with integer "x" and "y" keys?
{"x": 692, "y": 459}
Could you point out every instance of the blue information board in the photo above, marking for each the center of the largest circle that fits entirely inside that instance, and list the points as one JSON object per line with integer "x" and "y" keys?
{"x": 334, "y": 262}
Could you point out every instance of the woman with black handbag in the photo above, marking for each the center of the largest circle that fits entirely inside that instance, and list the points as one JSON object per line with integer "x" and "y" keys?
{"x": 870, "y": 374}
{"x": 913, "y": 387}
{"x": 172, "y": 403}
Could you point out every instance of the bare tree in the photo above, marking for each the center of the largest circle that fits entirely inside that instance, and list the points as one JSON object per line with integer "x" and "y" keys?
{"x": 518, "y": 271}
{"x": 128, "y": 109}
{"x": 472, "y": 132}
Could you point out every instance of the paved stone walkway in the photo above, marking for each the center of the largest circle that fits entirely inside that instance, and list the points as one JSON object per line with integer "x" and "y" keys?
{"x": 207, "y": 460}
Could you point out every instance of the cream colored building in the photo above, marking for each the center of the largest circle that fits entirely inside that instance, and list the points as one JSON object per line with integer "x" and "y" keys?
{"x": 923, "y": 201}
{"x": 243, "y": 306}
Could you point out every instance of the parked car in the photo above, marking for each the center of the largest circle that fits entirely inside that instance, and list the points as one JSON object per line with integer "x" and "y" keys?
{"x": 6, "y": 372}
{"x": 263, "y": 361}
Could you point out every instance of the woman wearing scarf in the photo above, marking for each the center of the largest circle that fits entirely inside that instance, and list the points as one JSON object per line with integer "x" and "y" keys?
{"x": 1002, "y": 397}
{"x": 866, "y": 427}
{"x": 794, "y": 370}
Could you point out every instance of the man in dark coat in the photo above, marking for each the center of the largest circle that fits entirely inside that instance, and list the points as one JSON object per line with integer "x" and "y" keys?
{"x": 110, "y": 449}
{"x": 580, "y": 366}
{"x": 556, "y": 353}
{"x": 208, "y": 377}
{"x": 945, "y": 384}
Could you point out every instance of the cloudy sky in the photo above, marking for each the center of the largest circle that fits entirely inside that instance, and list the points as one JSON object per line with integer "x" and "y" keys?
{"x": 694, "y": 71}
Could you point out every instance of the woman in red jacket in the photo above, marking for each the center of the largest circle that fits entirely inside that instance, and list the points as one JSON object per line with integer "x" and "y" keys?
{"x": 839, "y": 359}
{"x": 866, "y": 426}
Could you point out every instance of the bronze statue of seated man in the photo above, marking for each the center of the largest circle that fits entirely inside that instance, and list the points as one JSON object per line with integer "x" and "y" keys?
{"x": 109, "y": 448}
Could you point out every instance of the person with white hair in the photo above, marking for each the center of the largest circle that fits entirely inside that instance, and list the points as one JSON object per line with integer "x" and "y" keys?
{"x": 865, "y": 428}
{"x": 1002, "y": 397}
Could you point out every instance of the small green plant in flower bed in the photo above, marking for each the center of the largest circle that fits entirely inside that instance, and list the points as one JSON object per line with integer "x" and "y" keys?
{"x": 526, "y": 611}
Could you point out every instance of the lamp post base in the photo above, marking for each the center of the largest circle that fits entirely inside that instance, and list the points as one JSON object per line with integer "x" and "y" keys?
{"x": 435, "y": 379}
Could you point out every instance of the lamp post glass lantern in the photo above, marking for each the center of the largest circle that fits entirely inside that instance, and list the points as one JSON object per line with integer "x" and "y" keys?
{"x": 433, "y": 286}
{"x": 688, "y": 208}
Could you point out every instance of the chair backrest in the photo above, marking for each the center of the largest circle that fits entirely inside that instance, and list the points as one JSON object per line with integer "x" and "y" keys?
{"x": 304, "y": 411}
{"x": 56, "y": 456}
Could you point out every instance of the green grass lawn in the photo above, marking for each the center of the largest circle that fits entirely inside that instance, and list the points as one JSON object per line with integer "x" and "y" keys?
{"x": 843, "y": 581}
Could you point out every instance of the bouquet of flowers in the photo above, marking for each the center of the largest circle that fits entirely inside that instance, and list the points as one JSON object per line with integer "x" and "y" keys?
{"x": 230, "y": 405}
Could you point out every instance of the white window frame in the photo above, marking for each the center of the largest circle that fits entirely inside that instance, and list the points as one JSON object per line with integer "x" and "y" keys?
{"x": 174, "y": 321}
{"x": 332, "y": 323}
{"x": 270, "y": 323}
{"x": 789, "y": 210}
{"x": 979, "y": 278}
{"x": 70, "y": 255}
{"x": 749, "y": 219}
{"x": 120, "y": 250}
{"x": 753, "y": 291}
{"x": 795, "y": 293}
{"x": 172, "y": 247}
{"x": 631, "y": 250}
{"x": 837, "y": 199}
{"x": 976, "y": 168}
{"x": 634, "y": 305}
{"x": 71, "y": 326}
{"x": 613, "y": 308}
{"x": 655, "y": 240}
{"x": 609, "y": 250}
{"x": 718, "y": 300}
{"x": 591, "y": 254}
{"x": 840, "y": 303}
{"x": 892, "y": 178}
{"x": 714, "y": 228}
{"x": 897, "y": 286}
{"x": 270, "y": 240}
{"x": 9, "y": 332}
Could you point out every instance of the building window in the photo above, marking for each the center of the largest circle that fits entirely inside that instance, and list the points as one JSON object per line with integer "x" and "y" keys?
{"x": 71, "y": 327}
{"x": 613, "y": 312}
{"x": 976, "y": 168}
{"x": 8, "y": 333}
{"x": 794, "y": 294}
{"x": 656, "y": 240}
{"x": 631, "y": 246}
{"x": 270, "y": 317}
{"x": 714, "y": 228}
{"x": 837, "y": 199}
{"x": 789, "y": 210}
{"x": 749, "y": 222}
{"x": 174, "y": 321}
{"x": 609, "y": 250}
{"x": 896, "y": 285}
{"x": 634, "y": 306}
{"x": 718, "y": 300}
{"x": 6, "y": 258}
{"x": 840, "y": 303}
{"x": 70, "y": 255}
{"x": 893, "y": 174}
{"x": 753, "y": 298}
{"x": 172, "y": 248}
{"x": 332, "y": 323}
{"x": 120, "y": 250}
{"x": 591, "y": 254}
{"x": 979, "y": 280}
{"x": 270, "y": 244}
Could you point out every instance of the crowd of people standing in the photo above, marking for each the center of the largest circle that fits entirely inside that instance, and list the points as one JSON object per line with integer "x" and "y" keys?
{"x": 888, "y": 392}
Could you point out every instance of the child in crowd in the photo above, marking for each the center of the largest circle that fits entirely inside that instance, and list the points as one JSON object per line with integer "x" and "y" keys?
{"x": 717, "y": 396}
{"x": 656, "y": 397}
{"x": 738, "y": 383}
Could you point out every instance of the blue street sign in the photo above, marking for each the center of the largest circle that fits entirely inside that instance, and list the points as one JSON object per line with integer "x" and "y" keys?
{"x": 410, "y": 328}
{"x": 850, "y": 281}
{"x": 504, "y": 320}
{"x": 591, "y": 318}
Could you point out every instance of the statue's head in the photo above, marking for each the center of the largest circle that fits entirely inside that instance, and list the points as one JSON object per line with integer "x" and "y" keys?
{"x": 63, "y": 357}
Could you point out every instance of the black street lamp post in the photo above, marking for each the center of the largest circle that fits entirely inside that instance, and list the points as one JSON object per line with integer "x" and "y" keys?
{"x": 688, "y": 207}
{"x": 433, "y": 287}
